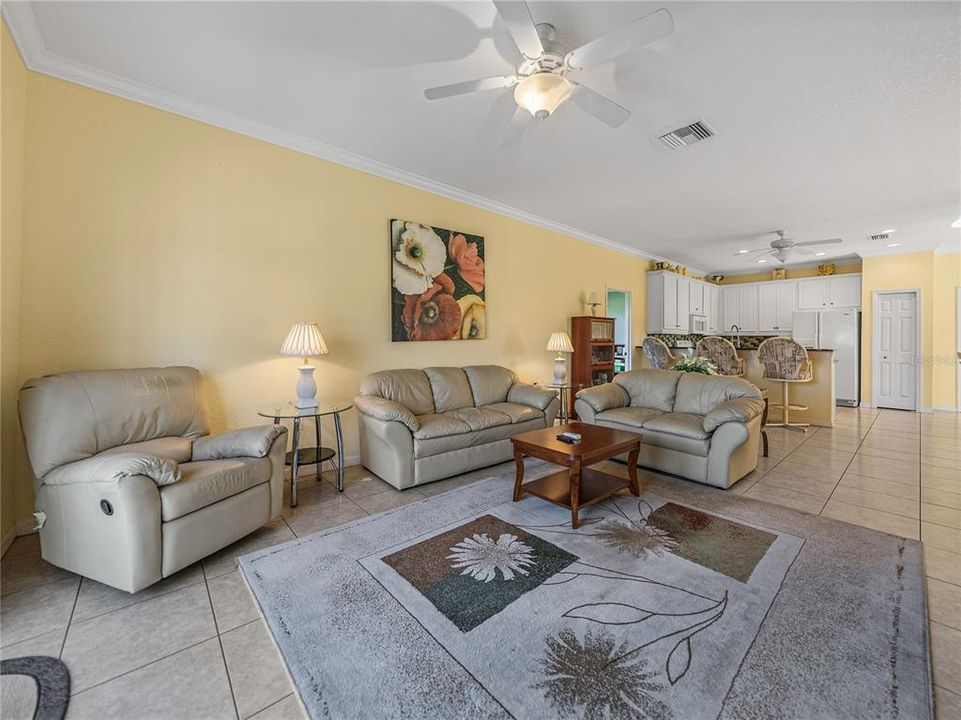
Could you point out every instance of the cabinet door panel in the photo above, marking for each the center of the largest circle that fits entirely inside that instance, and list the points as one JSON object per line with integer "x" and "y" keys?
{"x": 786, "y": 306}
{"x": 730, "y": 314}
{"x": 683, "y": 304}
{"x": 844, "y": 291}
{"x": 813, "y": 294}
{"x": 670, "y": 302}
{"x": 748, "y": 307}
{"x": 767, "y": 313}
{"x": 697, "y": 298}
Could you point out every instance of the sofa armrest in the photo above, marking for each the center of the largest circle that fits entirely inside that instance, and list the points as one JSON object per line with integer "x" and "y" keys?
{"x": 386, "y": 410}
{"x": 604, "y": 397}
{"x": 113, "y": 467}
{"x": 245, "y": 442}
{"x": 530, "y": 395}
{"x": 736, "y": 410}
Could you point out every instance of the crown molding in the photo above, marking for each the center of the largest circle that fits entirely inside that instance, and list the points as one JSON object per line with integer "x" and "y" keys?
{"x": 901, "y": 249}
{"x": 26, "y": 33}
{"x": 841, "y": 262}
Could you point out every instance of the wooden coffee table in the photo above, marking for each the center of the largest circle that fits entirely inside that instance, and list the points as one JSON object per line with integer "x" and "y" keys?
{"x": 579, "y": 485}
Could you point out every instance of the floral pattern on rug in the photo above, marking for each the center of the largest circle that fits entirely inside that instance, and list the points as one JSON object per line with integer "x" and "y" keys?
{"x": 474, "y": 571}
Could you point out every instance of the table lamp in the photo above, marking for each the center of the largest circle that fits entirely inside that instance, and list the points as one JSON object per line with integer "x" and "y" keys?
{"x": 304, "y": 340}
{"x": 593, "y": 301}
{"x": 560, "y": 343}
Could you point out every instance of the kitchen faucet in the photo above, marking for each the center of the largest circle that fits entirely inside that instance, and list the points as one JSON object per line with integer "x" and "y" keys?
{"x": 736, "y": 339}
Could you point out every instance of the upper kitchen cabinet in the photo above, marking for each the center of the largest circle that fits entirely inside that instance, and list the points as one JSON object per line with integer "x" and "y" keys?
{"x": 739, "y": 306}
{"x": 777, "y": 304}
{"x": 672, "y": 299}
{"x": 831, "y": 292}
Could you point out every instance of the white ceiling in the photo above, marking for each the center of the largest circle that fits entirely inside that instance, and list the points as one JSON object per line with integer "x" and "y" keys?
{"x": 833, "y": 119}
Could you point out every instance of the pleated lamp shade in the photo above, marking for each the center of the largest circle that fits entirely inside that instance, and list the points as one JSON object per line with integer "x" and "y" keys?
{"x": 304, "y": 340}
{"x": 560, "y": 342}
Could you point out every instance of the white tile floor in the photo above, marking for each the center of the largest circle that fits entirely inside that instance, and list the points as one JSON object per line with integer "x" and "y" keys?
{"x": 195, "y": 645}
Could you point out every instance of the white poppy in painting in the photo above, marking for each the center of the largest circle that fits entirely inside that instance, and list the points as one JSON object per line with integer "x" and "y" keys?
{"x": 409, "y": 282}
{"x": 421, "y": 250}
{"x": 481, "y": 557}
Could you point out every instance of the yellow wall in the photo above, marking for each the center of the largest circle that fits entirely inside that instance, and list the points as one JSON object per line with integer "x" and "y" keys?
{"x": 151, "y": 239}
{"x": 947, "y": 278}
{"x": 790, "y": 274}
{"x": 899, "y": 272}
{"x": 12, "y": 140}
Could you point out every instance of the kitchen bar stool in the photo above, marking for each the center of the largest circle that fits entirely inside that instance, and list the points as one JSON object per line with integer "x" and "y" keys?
{"x": 658, "y": 353}
{"x": 722, "y": 353}
{"x": 785, "y": 361}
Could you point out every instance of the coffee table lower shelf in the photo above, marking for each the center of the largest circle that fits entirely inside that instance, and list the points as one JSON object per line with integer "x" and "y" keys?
{"x": 556, "y": 487}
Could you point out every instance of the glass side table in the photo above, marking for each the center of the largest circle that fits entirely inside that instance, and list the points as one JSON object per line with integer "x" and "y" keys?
{"x": 318, "y": 454}
{"x": 564, "y": 391}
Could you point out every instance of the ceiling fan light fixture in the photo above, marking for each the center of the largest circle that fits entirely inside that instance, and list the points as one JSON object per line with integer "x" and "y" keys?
{"x": 542, "y": 93}
{"x": 761, "y": 261}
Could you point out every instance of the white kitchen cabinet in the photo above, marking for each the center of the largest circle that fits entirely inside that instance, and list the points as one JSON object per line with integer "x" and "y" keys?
{"x": 748, "y": 306}
{"x": 730, "y": 307}
{"x": 667, "y": 303}
{"x": 684, "y": 303}
{"x": 831, "y": 292}
{"x": 776, "y": 306}
{"x": 696, "y": 294}
{"x": 844, "y": 291}
{"x": 711, "y": 307}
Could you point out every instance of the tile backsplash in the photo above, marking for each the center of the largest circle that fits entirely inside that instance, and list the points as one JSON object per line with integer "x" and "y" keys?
{"x": 748, "y": 342}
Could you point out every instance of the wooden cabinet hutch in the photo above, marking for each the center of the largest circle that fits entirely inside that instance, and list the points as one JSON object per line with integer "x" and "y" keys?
{"x": 592, "y": 362}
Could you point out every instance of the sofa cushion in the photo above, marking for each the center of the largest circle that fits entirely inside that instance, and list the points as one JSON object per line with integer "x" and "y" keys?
{"x": 683, "y": 424}
{"x": 515, "y": 411}
{"x": 178, "y": 449}
{"x": 672, "y": 441}
{"x": 481, "y": 418}
{"x": 650, "y": 388}
{"x": 700, "y": 394}
{"x": 450, "y": 388}
{"x": 489, "y": 383}
{"x": 633, "y": 417}
{"x": 432, "y": 426}
{"x": 410, "y": 388}
{"x": 208, "y": 481}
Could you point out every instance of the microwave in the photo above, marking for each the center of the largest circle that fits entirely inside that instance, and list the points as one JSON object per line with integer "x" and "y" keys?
{"x": 698, "y": 325}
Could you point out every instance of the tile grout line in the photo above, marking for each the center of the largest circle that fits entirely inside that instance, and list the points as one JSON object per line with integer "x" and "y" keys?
{"x": 66, "y": 631}
{"x": 856, "y": 451}
{"x": 267, "y": 707}
{"x": 138, "y": 602}
{"x": 220, "y": 643}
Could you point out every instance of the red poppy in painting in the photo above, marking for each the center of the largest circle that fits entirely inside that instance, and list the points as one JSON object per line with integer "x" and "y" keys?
{"x": 434, "y": 314}
{"x": 469, "y": 264}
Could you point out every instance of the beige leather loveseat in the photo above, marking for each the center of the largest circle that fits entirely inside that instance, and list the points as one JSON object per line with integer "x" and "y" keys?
{"x": 417, "y": 426}
{"x": 132, "y": 488}
{"x": 703, "y": 427}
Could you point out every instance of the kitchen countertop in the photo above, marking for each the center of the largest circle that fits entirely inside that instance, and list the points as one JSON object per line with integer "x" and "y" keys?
{"x": 819, "y": 394}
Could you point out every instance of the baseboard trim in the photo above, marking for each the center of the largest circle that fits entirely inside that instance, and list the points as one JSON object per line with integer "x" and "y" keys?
{"x": 311, "y": 471}
{"x": 947, "y": 408}
{"x": 8, "y": 540}
{"x": 926, "y": 411}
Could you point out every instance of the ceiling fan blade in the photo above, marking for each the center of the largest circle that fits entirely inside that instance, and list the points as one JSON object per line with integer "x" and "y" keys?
{"x": 517, "y": 17}
{"x": 593, "y": 103}
{"x": 752, "y": 252}
{"x": 515, "y": 130}
{"x": 469, "y": 86}
{"x": 657, "y": 25}
{"x": 832, "y": 241}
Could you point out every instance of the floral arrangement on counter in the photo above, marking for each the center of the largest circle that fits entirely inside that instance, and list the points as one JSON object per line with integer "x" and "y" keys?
{"x": 438, "y": 284}
{"x": 695, "y": 364}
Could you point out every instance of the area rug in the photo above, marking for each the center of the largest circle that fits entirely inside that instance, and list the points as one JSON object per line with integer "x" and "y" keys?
{"x": 683, "y": 603}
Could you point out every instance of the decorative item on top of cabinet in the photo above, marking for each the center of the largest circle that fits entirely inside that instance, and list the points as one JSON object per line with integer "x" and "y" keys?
{"x": 592, "y": 362}
{"x": 826, "y": 269}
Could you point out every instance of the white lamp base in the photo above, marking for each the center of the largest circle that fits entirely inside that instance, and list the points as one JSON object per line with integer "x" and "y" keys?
{"x": 306, "y": 388}
{"x": 560, "y": 370}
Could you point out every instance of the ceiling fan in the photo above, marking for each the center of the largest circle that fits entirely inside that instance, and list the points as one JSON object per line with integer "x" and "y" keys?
{"x": 542, "y": 82}
{"x": 784, "y": 247}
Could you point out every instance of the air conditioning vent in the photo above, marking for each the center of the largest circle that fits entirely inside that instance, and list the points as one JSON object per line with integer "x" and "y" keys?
{"x": 687, "y": 135}
{"x": 880, "y": 236}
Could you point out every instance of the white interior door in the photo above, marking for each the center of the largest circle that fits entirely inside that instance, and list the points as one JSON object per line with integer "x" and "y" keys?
{"x": 895, "y": 354}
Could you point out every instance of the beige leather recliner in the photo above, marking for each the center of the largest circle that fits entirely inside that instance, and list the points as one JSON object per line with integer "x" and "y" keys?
{"x": 702, "y": 427}
{"x": 132, "y": 488}
{"x": 417, "y": 426}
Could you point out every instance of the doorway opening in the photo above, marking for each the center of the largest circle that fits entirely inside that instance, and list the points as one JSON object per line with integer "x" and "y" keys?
{"x": 619, "y": 308}
{"x": 896, "y": 349}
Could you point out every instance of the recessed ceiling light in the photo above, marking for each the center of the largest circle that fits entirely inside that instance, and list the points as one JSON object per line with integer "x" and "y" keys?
{"x": 893, "y": 244}
{"x": 742, "y": 252}
{"x": 889, "y": 231}
{"x": 819, "y": 254}
{"x": 762, "y": 261}
{"x": 956, "y": 223}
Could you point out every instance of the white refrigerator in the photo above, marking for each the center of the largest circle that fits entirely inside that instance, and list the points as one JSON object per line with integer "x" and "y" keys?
{"x": 838, "y": 330}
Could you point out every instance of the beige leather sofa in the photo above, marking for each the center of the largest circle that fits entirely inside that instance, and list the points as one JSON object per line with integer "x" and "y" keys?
{"x": 417, "y": 426}
{"x": 702, "y": 427}
{"x": 132, "y": 488}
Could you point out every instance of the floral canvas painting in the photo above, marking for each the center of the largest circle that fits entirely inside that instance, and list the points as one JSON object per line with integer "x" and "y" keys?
{"x": 438, "y": 284}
